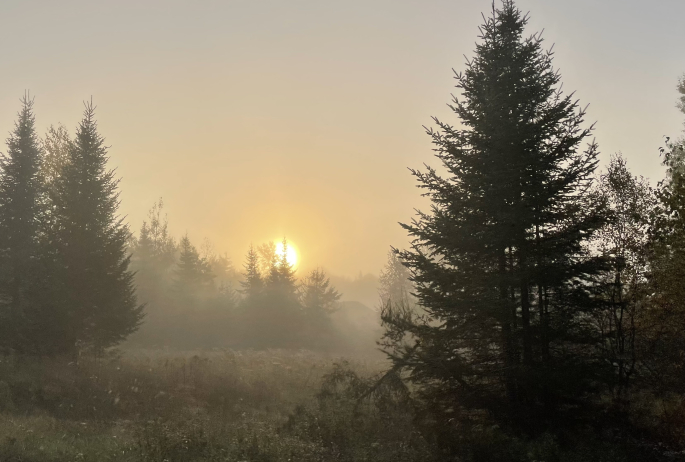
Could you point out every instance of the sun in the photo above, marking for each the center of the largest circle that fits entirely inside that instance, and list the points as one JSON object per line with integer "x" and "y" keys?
{"x": 290, "y": 253}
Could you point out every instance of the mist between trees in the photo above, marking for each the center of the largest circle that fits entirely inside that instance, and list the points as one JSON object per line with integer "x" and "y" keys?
{"x": 197, "y": 298}
{"x": 538, "y": 312}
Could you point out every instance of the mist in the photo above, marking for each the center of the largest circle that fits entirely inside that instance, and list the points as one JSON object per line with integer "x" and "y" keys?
{"x": 357, "y": 231}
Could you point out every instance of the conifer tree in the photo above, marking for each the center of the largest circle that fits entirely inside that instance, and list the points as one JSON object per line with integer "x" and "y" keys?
{"x": 500, "y": 263}
{"x": 317, "y": 295}
{"x": 276, "y": 314}
{"x": 93, "y": 289}
{"x": 281, "y": 278}
{"x": 193, "y": 273}
{"x": 20, "y": 214}
{"x": 154, "y": 257}
{"x": 253, "y": 283}
{"x": 268, "y": 259}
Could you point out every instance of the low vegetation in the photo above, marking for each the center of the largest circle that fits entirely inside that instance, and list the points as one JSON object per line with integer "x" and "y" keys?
{"x": 263, "y": 406}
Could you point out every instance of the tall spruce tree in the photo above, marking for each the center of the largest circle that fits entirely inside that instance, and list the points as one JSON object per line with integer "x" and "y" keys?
{"x": 93, "y": 289}
{"x": 20, "y": 214}
{"x": 500, "y": 262}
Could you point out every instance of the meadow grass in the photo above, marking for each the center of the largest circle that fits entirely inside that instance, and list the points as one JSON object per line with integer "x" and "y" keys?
{"x": 163, "y": 406}
{"x": 256, "y": 406}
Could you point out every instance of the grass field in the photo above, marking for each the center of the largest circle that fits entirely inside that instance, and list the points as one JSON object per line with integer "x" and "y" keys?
{"x": 253, "y": 406}
{"x": 193, "y": 406}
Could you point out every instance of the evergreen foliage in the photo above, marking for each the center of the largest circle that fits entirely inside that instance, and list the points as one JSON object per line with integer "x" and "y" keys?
{"x": 253, "y": 283}
{"x": 21, "y": 211}
{"x": 192, "y": 273}
{"x": 281, "y": 277}
{"x": 153, "y": 257}
{"x": 500, "y": 263}
{"x": 317, "y": 295}
{"x": 92, "y": 288}
{"x": 268, "y": 258}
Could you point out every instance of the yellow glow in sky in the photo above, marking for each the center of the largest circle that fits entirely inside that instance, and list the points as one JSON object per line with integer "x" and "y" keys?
{"x": 263, "y": 119}
{"x": 290, "y": 253}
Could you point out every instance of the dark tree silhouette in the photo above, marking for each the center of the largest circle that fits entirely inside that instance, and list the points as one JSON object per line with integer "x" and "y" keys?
{"x": 253, "y": 284}
{"x": 193, "y": 273}
{"x": 500, "y": 262}
{"x": 92, "y": 287}
{"x": 21, "y": 210}
{"x": 624, "y": 240}
{"x": 317, "y": 295}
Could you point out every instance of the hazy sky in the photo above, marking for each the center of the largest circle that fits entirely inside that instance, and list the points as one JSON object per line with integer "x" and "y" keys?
{"x": 261, "y": 118}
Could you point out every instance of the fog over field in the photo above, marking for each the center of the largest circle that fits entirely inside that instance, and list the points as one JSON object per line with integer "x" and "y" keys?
{"x": 265, "y": 231}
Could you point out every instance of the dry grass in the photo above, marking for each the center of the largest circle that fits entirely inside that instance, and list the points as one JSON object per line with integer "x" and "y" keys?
{"x": 256, "y": 406}
{"x": 161, "y": 406}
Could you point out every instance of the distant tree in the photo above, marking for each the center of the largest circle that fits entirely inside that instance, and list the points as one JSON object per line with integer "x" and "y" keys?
{"x": 253, "y": 284}
{"x": 268, "y": 259}
{"x": 20, "y": 217}
{"x": 624, "y": 240}
{"x": 317, "y": 295}
{"x": 318, "y": 300}
{"x": 220, "y": 264}
{"x": 91, "y": 285}
{"x": 153, "y": 257}
{"x": 395, "y": 282}
{"x": 501, "y": 263}
{"x": 193, "y": 273}
{"x": 57, "y": 144}
{"x": 281, "y": 277}
{"x": 154, "y": 233}
{"x": 273, "y": 314}
{"x": 681, "y": 90}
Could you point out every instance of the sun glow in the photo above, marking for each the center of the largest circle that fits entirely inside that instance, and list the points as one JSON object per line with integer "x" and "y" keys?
{"x": 290, "y": 253}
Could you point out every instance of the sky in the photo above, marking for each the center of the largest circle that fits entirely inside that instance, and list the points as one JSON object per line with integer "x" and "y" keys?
{"x": 259, "y": 119}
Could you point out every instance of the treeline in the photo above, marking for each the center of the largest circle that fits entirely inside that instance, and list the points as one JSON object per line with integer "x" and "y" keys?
{"x": 196, "y": 298}
{"x": 65, "y": 287}
{"x": 74, "y": 279}
{"x": 549, "y": 298}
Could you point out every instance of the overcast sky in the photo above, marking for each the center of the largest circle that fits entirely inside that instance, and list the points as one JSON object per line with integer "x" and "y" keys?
{"x": 257, "y": 119}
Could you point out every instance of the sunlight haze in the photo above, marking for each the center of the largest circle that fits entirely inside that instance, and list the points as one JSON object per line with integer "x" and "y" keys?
{"x": 256, "y": 119}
